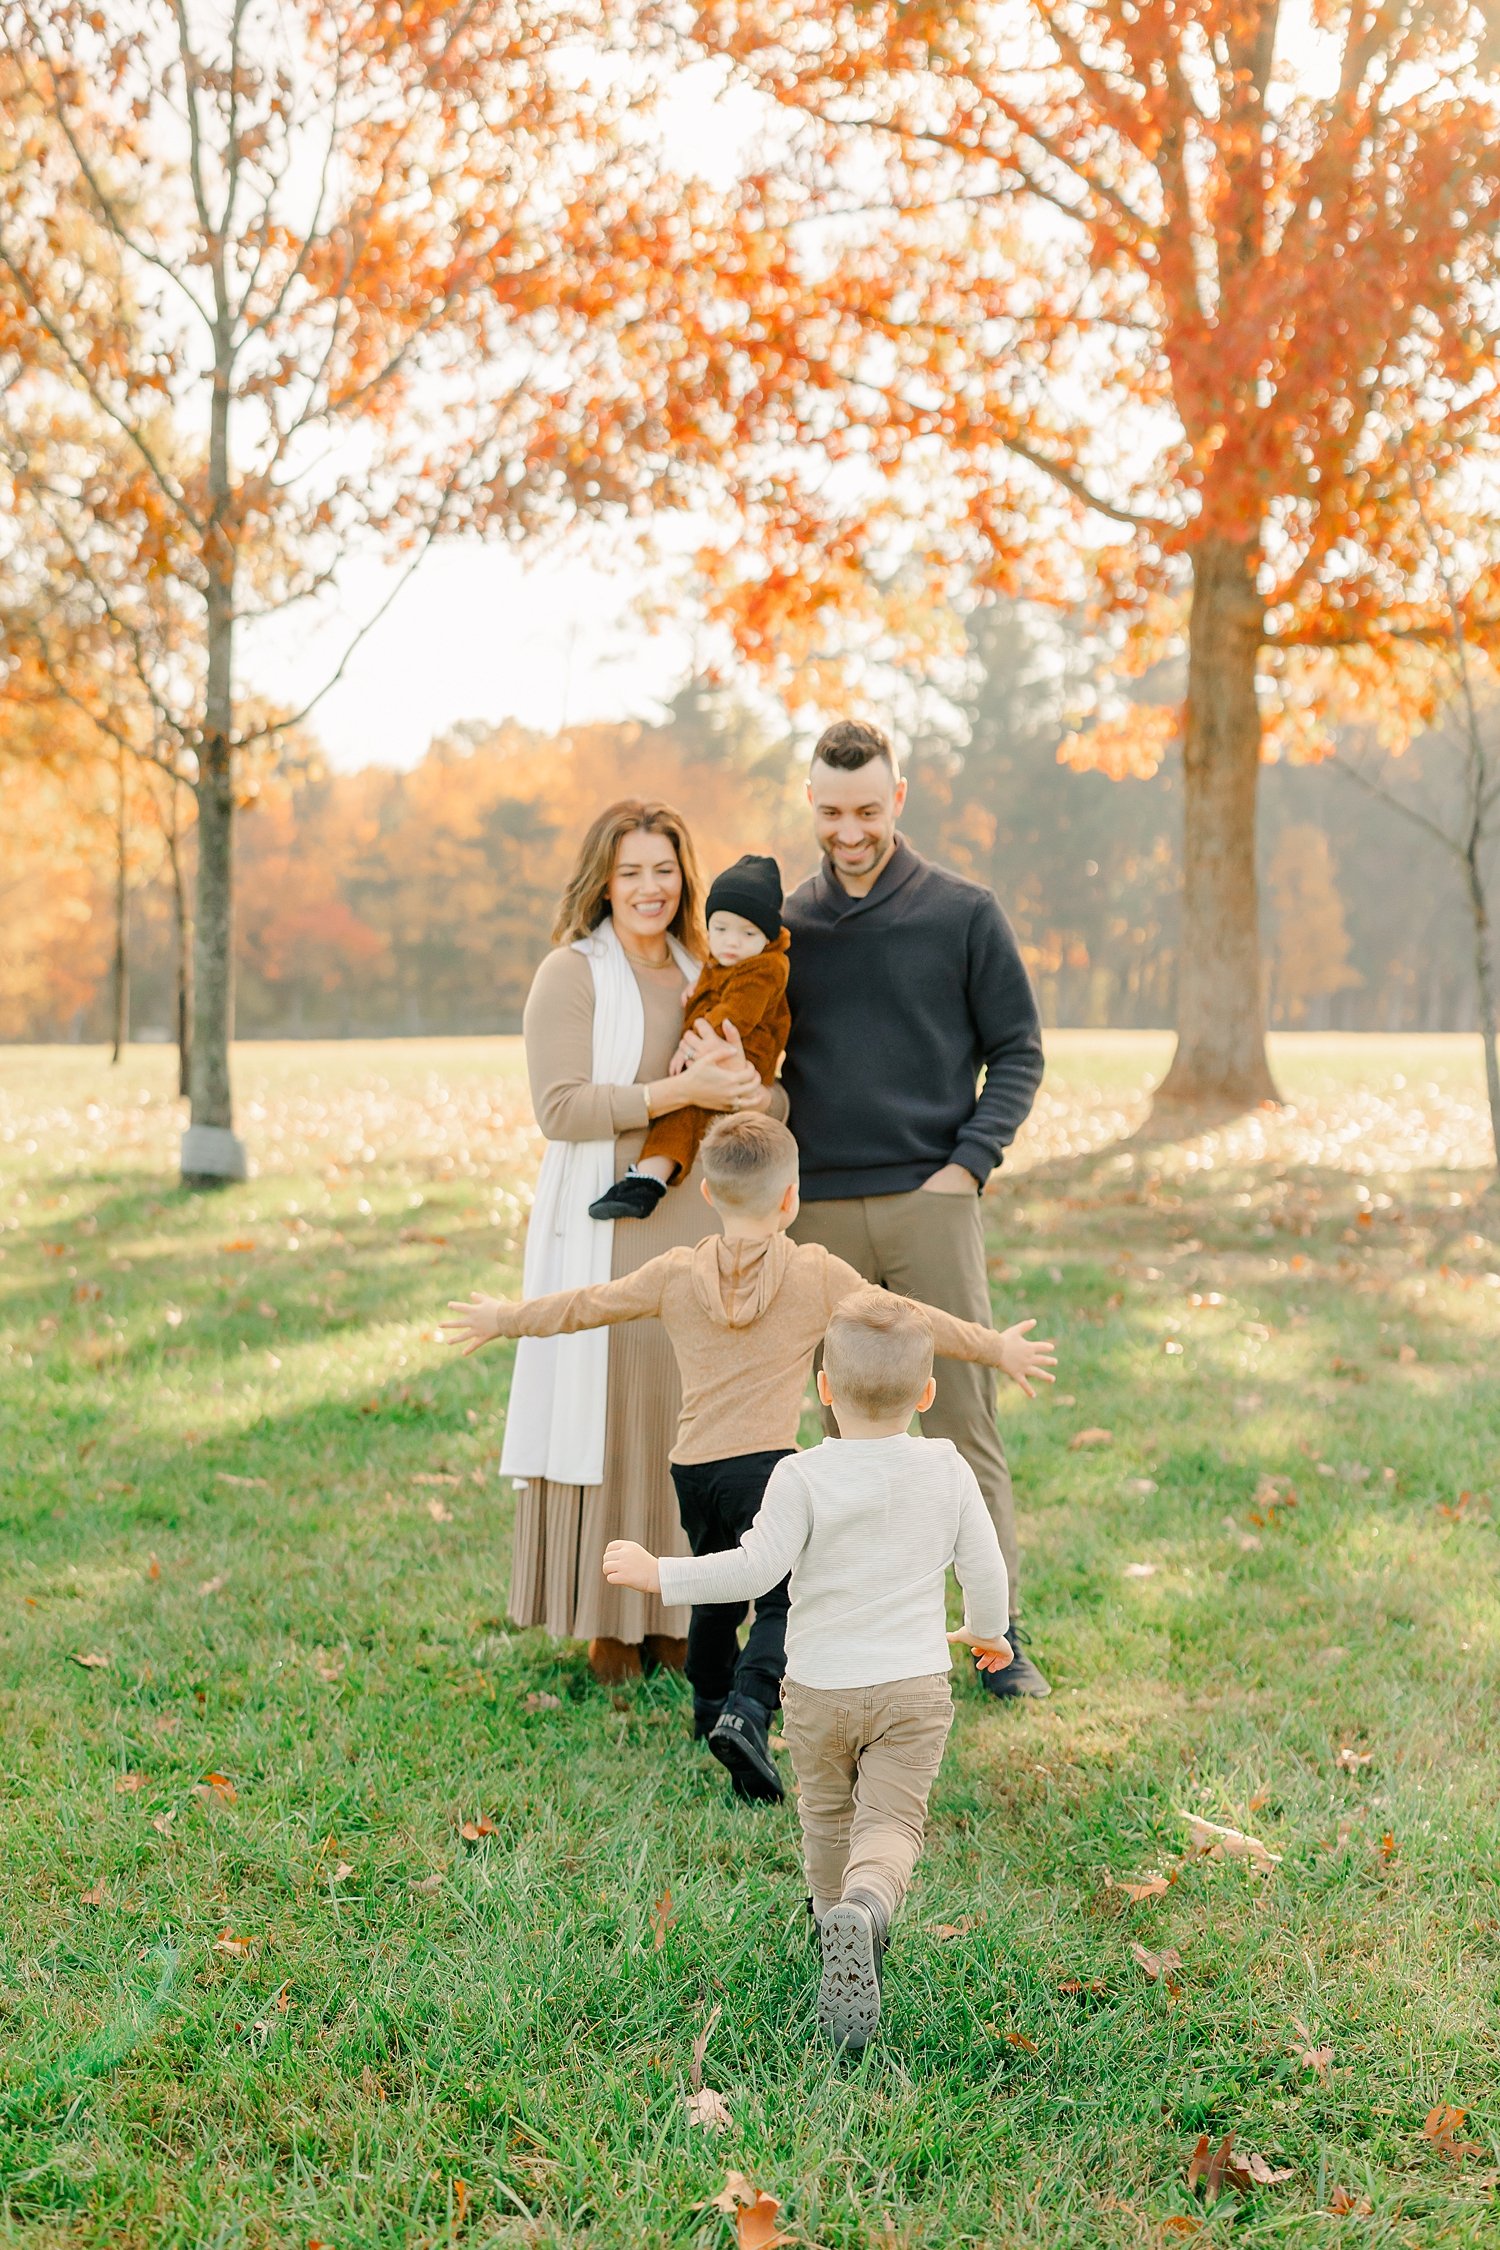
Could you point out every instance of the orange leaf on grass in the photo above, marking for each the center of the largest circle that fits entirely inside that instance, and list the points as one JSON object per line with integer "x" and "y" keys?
{"x": 1442, "y": 2128}
{"x": 472, "y": 1830}
{"x": 1074, "y": 1985}
{"x": 236, "y": 1946}
{"x": 1019, "y": 2039}
{"x": 1138, "y": 1888}
{"x": 216, "y": 1789}
{"x": 1344, "y": 2204}
{"x": 662, "y": 1918}
{"x": 126, "y": 1784}
{"x": 1083, "y": 1441}
{"x": 90, "y": 1659}
{"x": 945, "y": 1932}
{"x": 98, "y": 1896}
{"x": 1217, "y": 2168}
{"x": 753, "y": 2211}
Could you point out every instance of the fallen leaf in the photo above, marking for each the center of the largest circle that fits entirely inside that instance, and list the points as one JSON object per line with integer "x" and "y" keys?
{"x": 1311, "y": 2057}
{"x": 1140, "y": 1570}
{"x": 1352, "y": 1760}
{"x": 162, "y": 1822}
{"x": 472, "y": 1830}
{"x": 542, "y": 1702}
{"x": 1155, "y": 1964}
{"x": 1217, "y": 2168}
{"x": 246, "y": 1484}
{"x": 427, "y": 1883}
{"x": 126, "y": 1784}
{"x": 662, "y": 1918}
{"x": 1181, "y": 2223}
{"x": 460, "y": 2201}
{"x": 439, "y": 1511}
{"x": 215, "y": 1585}
{"x": 1138, "y": 1888}
{"x": 241, "y": 1243}
{"x": 153, "y": 1570}
{"x": 342, "y": 1872}
{"x": 90, "y": 1659}
{"x": 237, "y": 1946}
{"x": 753, "y": 2211}
{"x": 99, "y": 1897}
{"x": 329, "y": 1668}
{"x": 1084, "y": 1440}
{"x": 1019, "y": 2039}
{"x": 217, "y": 1789}
{"x": 436, "y": 1476}
{"x": 1442, "y": 2127}
{"x": 944, "y": 1932}
{"x": 1259, "y": 1801}
{"x": 1388, "y": 1846}
{"x": 1141, "y": 1488}
{"x": 1227, "y": 1843}
{"x": 1346, "y": 2205}
{"x": 1074, "y": 1985}
{"x": 708, "y": 2109}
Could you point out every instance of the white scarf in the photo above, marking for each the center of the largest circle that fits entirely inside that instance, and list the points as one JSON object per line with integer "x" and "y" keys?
{"x": 555, "y": 1425}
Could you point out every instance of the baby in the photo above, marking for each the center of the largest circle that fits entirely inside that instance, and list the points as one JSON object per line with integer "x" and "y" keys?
{"x": 743, "y": 982}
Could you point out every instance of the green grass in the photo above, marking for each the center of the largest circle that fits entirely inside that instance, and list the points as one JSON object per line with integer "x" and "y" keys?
{"x": 215, "y": 1418}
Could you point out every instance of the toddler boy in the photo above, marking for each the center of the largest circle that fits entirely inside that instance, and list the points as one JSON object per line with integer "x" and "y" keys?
{"x": 745, "y": 1313}
{"x": 867, "y": 1527}
{"x": 742, "y": 982}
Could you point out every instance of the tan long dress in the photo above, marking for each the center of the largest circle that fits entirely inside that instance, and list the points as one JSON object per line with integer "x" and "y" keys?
{"x": 562, "y": 1529}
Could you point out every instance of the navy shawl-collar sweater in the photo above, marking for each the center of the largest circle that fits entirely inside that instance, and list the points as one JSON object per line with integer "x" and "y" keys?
{"x": 900, "y": 1000}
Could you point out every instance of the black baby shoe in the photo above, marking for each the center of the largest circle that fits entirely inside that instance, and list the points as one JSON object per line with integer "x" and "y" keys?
{"x": 634, "y": 1197}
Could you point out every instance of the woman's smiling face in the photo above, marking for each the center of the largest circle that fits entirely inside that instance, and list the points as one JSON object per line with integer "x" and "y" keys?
{"x": 645, "y": 889}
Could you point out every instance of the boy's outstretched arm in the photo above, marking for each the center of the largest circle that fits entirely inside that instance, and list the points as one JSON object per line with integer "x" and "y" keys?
{"x": 635, "y": 1296}
{"x": 1026, "y": 1359}
{"x": 980, "y": 1569}
{"x": 760, "y": 1561}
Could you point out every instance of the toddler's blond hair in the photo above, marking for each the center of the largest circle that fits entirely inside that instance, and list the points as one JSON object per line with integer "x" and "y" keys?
{"x": 877, "y": 1353}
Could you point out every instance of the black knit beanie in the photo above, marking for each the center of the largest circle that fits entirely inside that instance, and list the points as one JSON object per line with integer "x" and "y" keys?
{"x": 752, "y": 888}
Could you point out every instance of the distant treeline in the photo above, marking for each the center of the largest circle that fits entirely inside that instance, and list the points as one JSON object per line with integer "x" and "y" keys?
{"x": 382, "y": 902}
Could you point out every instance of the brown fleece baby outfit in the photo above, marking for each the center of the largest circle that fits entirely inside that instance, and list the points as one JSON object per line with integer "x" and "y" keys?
{"x": 752, "y": 996}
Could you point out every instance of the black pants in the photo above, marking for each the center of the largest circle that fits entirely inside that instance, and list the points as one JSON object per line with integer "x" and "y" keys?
{"x": 718, "y": 1501}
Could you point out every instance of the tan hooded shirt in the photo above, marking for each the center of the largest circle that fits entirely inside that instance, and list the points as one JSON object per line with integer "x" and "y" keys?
{"x": 745, "y": 1319}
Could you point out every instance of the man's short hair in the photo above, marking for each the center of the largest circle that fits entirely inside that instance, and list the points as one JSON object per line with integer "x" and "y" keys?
{"x": 877, "y": 1353}
{"x": 851, "y": 743}
{"x": 749, "y": 1162}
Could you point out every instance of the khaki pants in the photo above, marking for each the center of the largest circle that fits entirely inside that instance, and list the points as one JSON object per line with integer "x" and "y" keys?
{"x": 865, "y": 1761}
{"x": 932, "y": 1247}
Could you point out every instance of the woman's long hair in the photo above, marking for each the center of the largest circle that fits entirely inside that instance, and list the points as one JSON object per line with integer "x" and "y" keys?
{"x": 585, "y": 901}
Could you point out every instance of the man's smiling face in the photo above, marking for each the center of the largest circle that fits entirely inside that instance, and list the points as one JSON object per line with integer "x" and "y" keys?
{"x": 854, "y": 816}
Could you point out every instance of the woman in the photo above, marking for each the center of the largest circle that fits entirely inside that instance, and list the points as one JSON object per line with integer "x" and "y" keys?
{"x": 592, "y": 1417}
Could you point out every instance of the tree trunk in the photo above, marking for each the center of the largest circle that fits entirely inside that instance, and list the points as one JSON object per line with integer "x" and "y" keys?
{"x": 122, "y": 909}
{"x": 1484, "y": 980}
{"x": 182, "y": 928}
{"x": 211, "y": 1152}
{"x": 1220, "y": 1062}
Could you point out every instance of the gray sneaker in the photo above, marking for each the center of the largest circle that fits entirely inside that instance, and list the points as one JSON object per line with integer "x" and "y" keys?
{"x": 1020, "y": 1676}
{"x": 852, "y": 1936}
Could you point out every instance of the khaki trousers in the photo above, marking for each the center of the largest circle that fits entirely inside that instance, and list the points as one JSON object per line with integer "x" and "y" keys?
{"x": 932, "y": 1247}
{"x": 865, "y": 1761}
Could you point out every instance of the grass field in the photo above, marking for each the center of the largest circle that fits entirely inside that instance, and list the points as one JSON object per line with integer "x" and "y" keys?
{"x": 257, "y": 1988}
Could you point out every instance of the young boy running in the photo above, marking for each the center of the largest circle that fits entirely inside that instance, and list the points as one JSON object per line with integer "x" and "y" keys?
{"x": 745, "y": 1312}
{"x": 868, "y": 1528}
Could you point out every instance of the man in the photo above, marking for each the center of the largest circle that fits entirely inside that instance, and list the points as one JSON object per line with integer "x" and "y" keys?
{"x": 906, "y": 981}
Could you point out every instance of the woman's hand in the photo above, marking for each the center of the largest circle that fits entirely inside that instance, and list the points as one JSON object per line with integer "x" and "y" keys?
{"x": 710, "y": 1084}
{"x": 478, "y": 1322}
{"x": 626, "y": 1564}
{"x": 1026, "y": 1359}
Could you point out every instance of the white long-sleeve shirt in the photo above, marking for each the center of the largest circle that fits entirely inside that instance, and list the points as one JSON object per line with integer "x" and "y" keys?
{"x": 868, "y": 1528}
